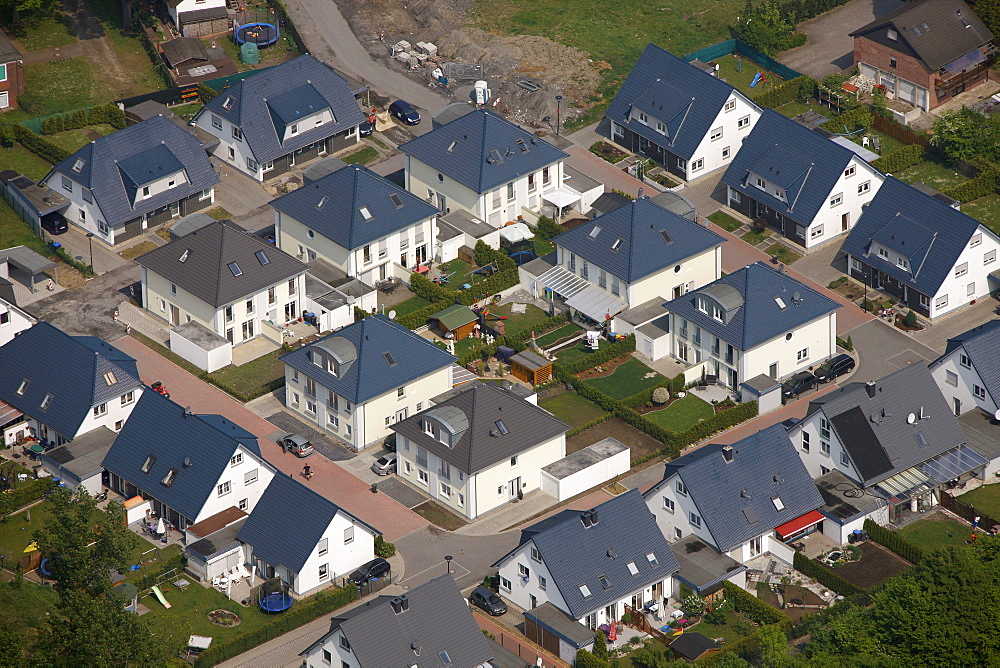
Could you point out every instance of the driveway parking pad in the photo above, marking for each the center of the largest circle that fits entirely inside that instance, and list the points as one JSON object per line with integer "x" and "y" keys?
{"x": 401, "y": 492}
{"x": 324, "y": 445}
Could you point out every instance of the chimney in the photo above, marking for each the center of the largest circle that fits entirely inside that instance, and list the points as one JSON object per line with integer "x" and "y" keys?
{"x": 585, "y": 518}
{"x": 397, "y": 607}
{"x": 404, "y": 602}
{"x": 727, "y": 453}
{"x": 870, "y": 389}
{"x": 593, "y": 516}
{"x": 639, "y": 194}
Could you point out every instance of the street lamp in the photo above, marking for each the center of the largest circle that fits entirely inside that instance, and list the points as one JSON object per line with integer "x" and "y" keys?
{"x": 90, "y": 240}
{"x": 558, "y": 110}
{"x": 448, "y": 559}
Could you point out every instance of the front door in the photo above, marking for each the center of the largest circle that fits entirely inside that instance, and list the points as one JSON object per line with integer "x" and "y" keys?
{"x": 845, "y": 221}
{"x": 175, "y": 315}
{"x": 290, "y": 311}
{"x": 513, "y": 486}
{"x": 958, "y": 406}
{"x": 882, "y": 278}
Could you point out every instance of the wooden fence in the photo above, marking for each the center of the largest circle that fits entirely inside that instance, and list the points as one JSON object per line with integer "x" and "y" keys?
{"x": 899, "y": 132}
{"x": 516, "y": 643}
{"x": 967, "y": 512}
{"x": 640, "y": 622}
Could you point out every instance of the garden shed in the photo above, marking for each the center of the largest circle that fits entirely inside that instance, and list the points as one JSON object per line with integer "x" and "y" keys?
{"x": 693, "y": 646}
{"x": 457, "y": 320}
{"x": 530, "y": 367}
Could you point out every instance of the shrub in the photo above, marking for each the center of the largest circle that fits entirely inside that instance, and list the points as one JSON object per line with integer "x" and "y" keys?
{"x": 384, "y": 548}
{"x": 900, "y": 159}
{"x": 754, "y": 609}
{"x": 661, "y": 395}
{"x": 548, "y": 228}
{"x": 893, "y": 541}
{"x": 850, "y": 344}
{"x": 84, "y": 269}
{"x": 855, "y": 119}
{"x": 807, "y": 566}
{"x": 206, "y": 93}
{"x": 41, "y": 147}
{"x": 911, "y": 319}
{"x": 786, "y": 92}
{"x": 600, "y": 649}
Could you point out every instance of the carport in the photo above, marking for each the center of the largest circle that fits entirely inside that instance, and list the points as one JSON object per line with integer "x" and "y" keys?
{"x": 28, "y": 262}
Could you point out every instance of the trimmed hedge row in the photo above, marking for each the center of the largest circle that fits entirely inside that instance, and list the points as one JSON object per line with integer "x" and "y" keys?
{"x": 31, "y": 490}
{"x": 83, "y": 268}
{"x": 985, "y": 182}
{"x": 43, "y": 148}
{"x": 824, "y": 576}
{"x": 608, "y": 352}
{"x": 891, "y": 540}
{"x": 901, "y": 158}
{"x": 419, "y": 317}
{"x": 786, "y": 92}
{"x": 754, "y": 609}
{"x": 324, "y": 603}
{"x": 81, "y": 118}
{"x": 575, "y": 431}
{"x": 859, "y": 117}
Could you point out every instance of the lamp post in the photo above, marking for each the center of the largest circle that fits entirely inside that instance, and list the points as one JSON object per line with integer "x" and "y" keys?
{"x": 558, "y": 113}
{"x": 448, "y": 559}
{"x": 90, "y": 240}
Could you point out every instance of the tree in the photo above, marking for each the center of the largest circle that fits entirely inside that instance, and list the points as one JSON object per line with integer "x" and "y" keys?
{"x": 963, "y": 134}
{"x": 6, "y": 505}
{"x": 600, "y": 646}
{"x": 773, "y": 647}
{"x": 647, "y": 657}
{"x": 763, "y": 26}
{"x": 548, "y": 228}
{"x": 910, "y": 319}
{"x": 988, "y": 12}
{"x": 585, "y": 659}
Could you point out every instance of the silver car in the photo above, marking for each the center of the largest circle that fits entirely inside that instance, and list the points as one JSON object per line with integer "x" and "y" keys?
{"x": 297, "y": 445}
{"x": 385, "y": 464}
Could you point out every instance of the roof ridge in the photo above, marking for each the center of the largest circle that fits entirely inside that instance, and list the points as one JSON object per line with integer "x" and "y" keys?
{"x": 484, "y": 152}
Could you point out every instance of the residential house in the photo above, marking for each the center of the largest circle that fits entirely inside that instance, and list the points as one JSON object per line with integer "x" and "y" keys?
{"x": 626, "y": 257}
{"x": 187, "y": 467}
{"x": 11, "y": 74}
{"x": 327, "y": 542}
{"x": 199, "y": 18}
{"x": 429, "y": 625}
{"x": 356, "y": 383}
{"x": 968, "y": 373}
{"x": 129, "y": 181}
{"x": 13, "y": 320}
{"x": 478, "y": 449}
{"x": 360, "y": 222}
{"x": 225, "y": 278}
{"x": 746, "y": 499}
{"x": 798, "y": 182}
{"x": 895, "y": 438}
{"x": 56, "y": 387}
{"x": 929, "y": 256}
{"x": 925, "y": 52}
{"x": 689, "y": 121}
{"x": 282, "y": 117}
{"x": 486, "y": 165}
{"x": 591, "y": 564}
{"x": 756, "y": 320}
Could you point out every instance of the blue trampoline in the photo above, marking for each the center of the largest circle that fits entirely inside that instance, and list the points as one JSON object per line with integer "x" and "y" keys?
{"x": 274, "y": 597}
{"x": 521, "y": 257}
{"x": 261, "y": 34}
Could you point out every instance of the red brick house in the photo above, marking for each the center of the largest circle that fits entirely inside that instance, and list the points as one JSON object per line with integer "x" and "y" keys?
{"x": 11, "y": 74}
{"x": 925, "y": 52}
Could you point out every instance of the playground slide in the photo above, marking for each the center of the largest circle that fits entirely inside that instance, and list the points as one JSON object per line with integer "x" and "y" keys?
{"x": 159, "y": 596}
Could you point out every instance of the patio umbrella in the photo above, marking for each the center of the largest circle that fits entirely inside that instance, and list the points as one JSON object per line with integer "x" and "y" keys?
{"x": 159, "y": 526}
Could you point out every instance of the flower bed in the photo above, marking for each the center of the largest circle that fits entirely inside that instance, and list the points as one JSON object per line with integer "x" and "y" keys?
{"x": 224, "y": 618}
{"x": 604, "y": 369}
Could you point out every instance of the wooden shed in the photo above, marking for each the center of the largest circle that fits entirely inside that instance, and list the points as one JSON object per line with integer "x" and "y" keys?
{"x": 457, "y": 319}
{"x": 467, "y": 254}
{"x": 530, "y": 367}
{"x": 691, "y": 646}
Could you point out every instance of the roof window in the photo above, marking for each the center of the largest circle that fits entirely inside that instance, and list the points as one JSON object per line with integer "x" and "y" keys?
{"x": 110, "y": 378}
{"x": 227, "y": 104}
{"x": 666, "y": 237}
{"x": 148, "y": 464}
{"x": 651, "y": 558}
{"x": 616, "y": 245}
{"x": 47, "y": 401}
{"x": 322, "y": 202}
{"x": 778, "y": 503}
{"x": 23, "y": 387}
{"x": 632, "y": 568}
{"x": 390, "y": 360}
{"x": 365, "y": 213}
{"x": 604, "y": 581}
{"x": 396, "y": 200}
{"x": 235, "y": 268}
{"x": 168, "y": 479}
{"x": 185, "y": 255}
{"x": 585, "y": 590}
{"x": 262, "y": 257}
{"x": 780, "y": 302}
{"x": 78, "y": 165}
{"x": 594, "y": 232}
{"x": 501, "y": 427}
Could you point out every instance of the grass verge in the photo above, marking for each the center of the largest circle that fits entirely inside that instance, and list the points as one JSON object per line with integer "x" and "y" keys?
{"x": 363, "y": 157}
{"x": 725, "y": 221}
{"x": 754, "y": 237}
{"x": 438, "y": 515}
{"x": 783, "y": 253}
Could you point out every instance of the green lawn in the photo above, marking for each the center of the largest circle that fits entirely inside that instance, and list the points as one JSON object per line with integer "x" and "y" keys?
{"x": 556, "y": 335}
{"x": 517, "y": 323}
{"x": 793, "y": 109}
{"x": 725, "y": 221}
{"x": 783, "y": 253}
{"x": 986, "y": 210}
{"x": 578, "y": 351}
{"x": 932, "y": 533}
{"x": 459, "y": 272}
{"x": 363, "y": 157}
{"x": 283, "y": 49}
{"x": 985, "y": 498}
{"x": 543, "y": 247}
{"x": 219, "y": 213}
{"x": 27, "y": 608}
{"x": 187, "y": 111}
{"x": 15, "y": 232}
{"x": 936, "y": 175}
{"x": 754, "y": 237}
{"x": 245, "y": 379}
{"x": 410, "y": 305}
{"x": 15, "y": 533}
{"x": 573, "y": 409}
{"x": 628, "y": 379}
{"x": 682, "y": 414}
{"x": 741, "y": 78}
{"x": 74, "y": 140}
{"x": 22, "y": 160}
{"x": 45, "y": 34}
{"x": 61, "y": 86}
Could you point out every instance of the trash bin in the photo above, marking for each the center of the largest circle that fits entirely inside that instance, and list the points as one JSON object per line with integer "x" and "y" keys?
{"x": 56, "y": 245}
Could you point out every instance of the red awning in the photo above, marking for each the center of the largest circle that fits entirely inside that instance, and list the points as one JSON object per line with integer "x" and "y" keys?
{"x": 800, "y": 523}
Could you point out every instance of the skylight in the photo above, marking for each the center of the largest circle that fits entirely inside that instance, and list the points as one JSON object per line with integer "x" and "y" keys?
{"x": 604, "y": 581}
{"x": 594, "y": 232}
{"x": 47, "y": 401}
{"x": 396, "y": 200}
{"x": 390, "y": 360}
{"x": 109, "y": 378}
{"x": 452, "y": 145}
{"x": 235, "y": 268}
{"x": 921, "y": 440}
{"x": 184, "y": 256}
{"x": 616, "y": 245}
{"x": 502, "y": 427}
{"x": 78, "y": 165}
{"x": 148, "y": 464}
{"x": 262, "y": 257}
{"x": 445, "y": 657}
{"x": 632, "y": 568}
{"x": 168, "y": 479}
{"x": 666, "y": 237}
{"x": 778, "y": 503}
{"x": 524, "y": 146}
{"x": 322, "y": 202}
{"x": 651, "y": 558}
{"x": 780, "y": 302}
{"x": 23, "y": 387}
{"x": 366, "y": 213}
{"x": 228, "y": 103}
{"x": 585, "y": 590}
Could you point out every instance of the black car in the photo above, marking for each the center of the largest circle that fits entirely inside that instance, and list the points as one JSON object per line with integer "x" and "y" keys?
{"x": 365, "y": 128}
{"x": 797, "y": 384}
{"x": 405, "y": 112}
{"x": 55, "y": 223}
{"x": 834, "y": 367}
{"x": 374, "y": 569}
{"x": 482, "y": 597}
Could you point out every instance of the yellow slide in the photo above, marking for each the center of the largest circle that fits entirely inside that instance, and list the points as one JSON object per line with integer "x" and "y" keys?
{"x": 159, "y": 596}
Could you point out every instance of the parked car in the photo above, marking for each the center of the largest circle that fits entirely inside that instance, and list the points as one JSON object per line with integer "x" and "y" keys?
{"x": 797, "y": 384}
{"x": 834, "y": 367}
{"x": 365, "y": 128}
{"x": 375, "y": 568}
{"x": 405, "y": 112}
{"x": 385, "y": 464}
{"x": 55, "y": 223}
{"x": 297, "y": 445}
{"x": 486, "y": 599}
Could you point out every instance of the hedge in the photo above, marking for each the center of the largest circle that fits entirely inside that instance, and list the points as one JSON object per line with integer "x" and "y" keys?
{"x": 43, "y": 148}
{"x": 83, "y": 268}
{"x": 81, "y": 118}
{"x": 893, "y": 541}
{"x": 985, "y": 182}
{"x": 860, "y": 117}
{"x": 901, "y": 158}
{"x": 206, "y": 93}
{"x": 324, "y": 603}
{"x": 575, "y": 431}
{"x": 824, "y": 576}
{"x": 608, "y": 352}
{"x": 31, "y": 490}
{"x": 754, "y": 609}
{"x": 786, "y": 92}
{"x": 418, "y": 318}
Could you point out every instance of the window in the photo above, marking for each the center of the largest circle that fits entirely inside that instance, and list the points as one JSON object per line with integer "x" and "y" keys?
{"x": 951, "y": 378}
{"x": 310, "y": 406}
{"x": 716, "y": 133}
{"x": 324, "y": 571}
{"x": 87, "y": 196}
{"x": 816, "y": 231}
{"x": 632, "y": 568}
{"x": 349, "y": 535}
{"x": 400, "y": 392}
{"x": 678, "y": 534}
{"x": 743, "y": 123}
{"x": 420, "y": 406}
{"x": 235, "y": 268}
{"x": 989, "y": 257}
{"x": 103, "y": 227}
{"x": 461, "y": 504}
{"x": 23, "y": 386}
{"x": 964, "y": 361}
{"x": 504, "y": 583}
{"x": 585, "y": 591}
{"x": 892, "y": 62}
{"x": 836, "y": 200}
{"x": 532, "y": 184}
{"x": 513, "y": 462}
{"x": 697, "y": 164}
{"x": 148, "y": 464}
{"x": 802, "y": 355}
{"x": 779, "y": 505}
{"x": 291, "y": 286}
{"x": 903, "y": 263}
{"x": 523, "y": 571}
{"x": 67, "y": 185}
{"x": 976, "y": 240}
{"x": 824, "y": 428}
{"x": 864, "y": 187}
{"x": 542, "y": 583}
{"x": 237, "y": 459}
{"x": 249, "y": 306}
{"x": 445, "y": 490}
{"x": 250, "y": 477}
{"x": 100, "y": 409}
{"x": 892, "y": 34}
{"x": 168, "y": 479}
{"x": 272, "y": 296}
{"x": 422, "y": 476}
{"x": 682, "y": 163}
{"x": 725, "y": 153}
{"x": 962, "y": 269}
{"x": 310, "y": 387}
{"x": 805, "y": 441}
{"x": 510, "y": 191}
{"x": 535, "y": 556}
{"x": 119, "y": 424}
{"x": 694, "y": 519}
{"x": 941, "y": 302}
{"x": 844, "y": 459}
{"x": 603, "y": 580}
{"x": 760, "y": 183}
{"x": 546, "y": 178}
{"x": 224, "y": 488}
{"x": 651, "y": 558}
{"x": 251, "y": 164}
{"x": 237, "y": 134}
{"x": 970, "y": 290}
{"x": 980, "y": 392}
{"x": 730, "y": 105}
{"x": 366, "y": 253}
{"x": 216, "y": 122}
{"x": 344, "y": 643}
{"x": 47, "y": 401}
{"x": 681, "y": 489}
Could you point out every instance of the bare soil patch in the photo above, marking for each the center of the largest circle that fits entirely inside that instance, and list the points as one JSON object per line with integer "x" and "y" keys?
{"x": 606, "y": 369}
{"x": 877, "y": 563}
{"x": 640, "y": 444}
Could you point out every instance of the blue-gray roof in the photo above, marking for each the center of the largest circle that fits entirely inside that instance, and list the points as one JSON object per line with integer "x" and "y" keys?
{"x": 929, "y": 233}
{"x": 71, "y": 368}
{"x": 267, "y": 528}
{"x": 482, "y": 150}
{"x": 162, "y": 428}
{"x": 262, "y": 104}
{"x": 115, "y": 166}
{"x": 629, "y": 241}
{"x": 574, "y": 554}
{"x": 674, "y": 92}
{"x": 736, "y": 498}
{"x": 804, "y": 163}
{"x": 332, "y": 206}
{"x": 752, "y": 314}
{"x": 982, "y": 346}
{"x": 376, "y": 355}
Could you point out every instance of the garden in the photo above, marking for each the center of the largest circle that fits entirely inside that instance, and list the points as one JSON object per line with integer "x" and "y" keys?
{"x": 628, "y": 378}
{"x": 938, "y": 530}
{"x": 874, "y": 564}
{"x": 681, "y": 414}
{"x": 641, "y": 446}
{"x": 572, "y": 409}
{"x": 985, "y": 497}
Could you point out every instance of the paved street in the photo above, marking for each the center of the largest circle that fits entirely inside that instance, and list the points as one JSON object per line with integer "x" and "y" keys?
{"x": 882, "y": 349}
{"x": 426, "y": 548}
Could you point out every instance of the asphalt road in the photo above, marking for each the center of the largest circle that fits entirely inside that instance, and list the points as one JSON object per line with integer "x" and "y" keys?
{"x": 89, "y": 311}
{"x": 882, "y": 349}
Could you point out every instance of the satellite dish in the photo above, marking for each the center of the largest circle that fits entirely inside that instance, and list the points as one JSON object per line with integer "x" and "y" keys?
{"x": 392, "y": 315}
{"x": 996, "y": 416}
{"x": 912, "y": 418}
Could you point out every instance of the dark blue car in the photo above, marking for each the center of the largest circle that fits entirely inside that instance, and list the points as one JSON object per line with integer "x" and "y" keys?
{"x": 405, "y": 112}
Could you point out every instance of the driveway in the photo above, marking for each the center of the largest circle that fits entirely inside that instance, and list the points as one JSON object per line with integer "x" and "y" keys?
{"x": 882, "y": 349}
{"x": 425, "y": 552}
{"x": 830, "y": 48}
{"x": 325, "y": 446}
{"x": 89, "y": 311}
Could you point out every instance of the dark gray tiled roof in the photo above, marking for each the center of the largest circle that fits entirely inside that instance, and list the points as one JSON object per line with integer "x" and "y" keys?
{"x": 756, "y": 317}
{"x": 675, "y": 92}
{"x": 487, "y": 150}
{"x": 931, "y": 234}
{"x": 160, "y": 427}
{"x": 982, "y": 345}
{"x": 208, "y": 252}
{"x": 8, "y": 53}
{"x": 438, "y": 620}
{"x": 83, "y": 456}
{"x": 875, "y": 430}
{"x": 701, "y": 565}
{"x": 575, "y": 555}
{"x": 113, "y": 166}
{"x": 804, "y": 163}
{"x": 481, "y": 443}
{"x": 257, "y": 103}
{"x": 332, "y": 206}
{"x": 369, "y": 374}
{"x": 629, "y": 241}
{"x": 555, "y": 620}
{"x": 735, "y": 498}
{"x": 71, "y": 368}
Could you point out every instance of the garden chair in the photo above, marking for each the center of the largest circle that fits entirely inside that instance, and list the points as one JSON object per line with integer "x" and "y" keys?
{"x": 876, "y": 144}
{"x": 864, "y": 141}
{"x": 217, "y": 581}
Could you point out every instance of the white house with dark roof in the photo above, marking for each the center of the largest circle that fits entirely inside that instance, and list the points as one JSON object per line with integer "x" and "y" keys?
{"x": 479, "y": 449}
{"x": 131, "y": 180}
{"x": 358, "y": 221}
{"x": 356, "y": 383}
{"x": 282, "y": 117}
{"x": 224, "y": 278}
{"x": 591, "y": 564}
{"x": 757, "y": 320}
{"x": 968, "y": 373}
{"x": 746, "y": 499}
{"x": 13, "y": 320}
{"x": 691, "y": 122}
{"x": 798, "y": 182}
{"x": 486, "y": 165}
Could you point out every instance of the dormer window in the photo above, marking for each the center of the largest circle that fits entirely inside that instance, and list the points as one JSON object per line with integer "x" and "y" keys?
{"x": 294, "y": 129}
{"x": 171, "y": 183}
{"x": 883, "y": 253}
{"x": 780, "y": 194}
{"x": 761, "y": 183}
{"x": 716, "y": 311}
{"x": 902, "y": 263}
{"x": 661, "y": 128}
{"x": 643, "y": 118}
{"x": 148, "y": 464}
{"x": 703, "y": 305}
{"x": 145, "y": 191}
{"x": 168, "y": 479}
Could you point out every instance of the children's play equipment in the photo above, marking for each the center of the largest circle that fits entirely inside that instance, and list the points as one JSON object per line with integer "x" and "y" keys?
{"x": 261, "y": 34}
{"x": 274, "y": 596}
{"x": 159, "y": 596}
{"x": 757, "y": 78}
{"x": 593, "y": 340}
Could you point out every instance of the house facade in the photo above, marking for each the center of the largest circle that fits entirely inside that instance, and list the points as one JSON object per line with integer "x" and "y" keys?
{"x": 798, "y": 182}
{"x": 359, "y": 222}
{"x": 926, "y": 52}
{"x": 282, "y": 117}
{"x": 484, "y": 164}
{"x": 689, "y": 121}
{"x": 969, "y": 370}
{"x": 13, "y": 320}
{"x": 125, "y": 183}
{"x": 11, "y": 74}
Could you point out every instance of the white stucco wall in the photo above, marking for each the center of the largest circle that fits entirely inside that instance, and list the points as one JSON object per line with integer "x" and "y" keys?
{"x": 239, "y": 489}
{"x": 13, "y": 321}
{"x": 584, "y": 479}
{"x": 209, "y": 360}
{"x": 966, "y": 380}
{"x": 711, "y": 151}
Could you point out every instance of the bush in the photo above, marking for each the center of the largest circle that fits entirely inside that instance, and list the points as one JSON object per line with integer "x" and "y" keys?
{"x": 900, "y": 159}
{"x": 893, "y": 541}
{"x": 206, "y": 93}
{"x": 30, "y": 491}
{"x": 548, "y": 228}
{"x": 855, "y": 119}
{"x": 911, "y": 319}
{"x": 754, "y": 609}
{"x": 43, "y": 148}
{"x": 84, "y": 269}
{"x": 830, "y": 580}
{"x": 661, "y": 395}
{"x": 384, "y": 548}
{"x": 788, "y": 91}
{"x": 419, "y": 317}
